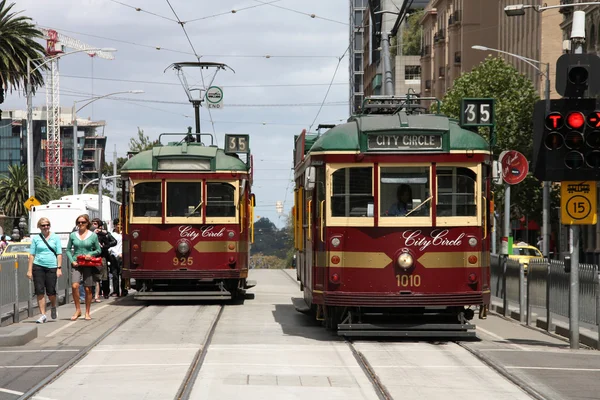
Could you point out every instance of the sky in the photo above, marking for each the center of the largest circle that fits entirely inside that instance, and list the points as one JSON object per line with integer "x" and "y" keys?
{"x": 303, "y": 83}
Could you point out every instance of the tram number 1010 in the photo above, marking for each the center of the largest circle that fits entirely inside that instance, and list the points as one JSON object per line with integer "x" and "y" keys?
{"x": 408, "y": 280}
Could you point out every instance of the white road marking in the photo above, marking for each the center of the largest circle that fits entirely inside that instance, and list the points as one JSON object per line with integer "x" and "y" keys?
{"x": 349, "y": 366}
{"x": 28, "y": 366}
{"x": 10, "y": 391}
{"x": 74, "y": 322}
{"x": 129, "y": 365}
{"x": 38, "y": 351}
{"x": 501, "y": 338}
{"x": 558, "y": 369}
{"x": 148, "y": 349}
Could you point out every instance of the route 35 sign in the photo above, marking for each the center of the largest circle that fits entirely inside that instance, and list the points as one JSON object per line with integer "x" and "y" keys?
{"x": 476, "y": 112}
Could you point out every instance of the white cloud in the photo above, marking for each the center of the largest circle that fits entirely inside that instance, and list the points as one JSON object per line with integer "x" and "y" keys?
{"x": 263, "y": 30}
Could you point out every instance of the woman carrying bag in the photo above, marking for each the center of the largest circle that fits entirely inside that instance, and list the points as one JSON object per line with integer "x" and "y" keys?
{"x": 45, "y": 260}
{"x": 82, "y": 243}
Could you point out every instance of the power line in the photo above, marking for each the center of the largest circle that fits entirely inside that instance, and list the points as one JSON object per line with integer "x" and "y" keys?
{"x": 144, "y": 11}
{"x": 303, "y": 13}
{"x": 329, "y": 88}
{"x": 230, "y": 12}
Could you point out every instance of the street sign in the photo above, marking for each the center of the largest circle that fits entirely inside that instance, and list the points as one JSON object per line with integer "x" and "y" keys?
{"x": 514, "y": 166}
{"x": 30, "y": 202}
{"x": 578, "y": 203}
{"x": 214, "y": 97}
{"x": 476, "y": 112}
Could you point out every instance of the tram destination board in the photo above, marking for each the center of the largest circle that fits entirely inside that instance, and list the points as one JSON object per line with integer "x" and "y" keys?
{"x": 578, "y": 202}
{"x": 237, "y": 144}
{"x": 411, "y": 142}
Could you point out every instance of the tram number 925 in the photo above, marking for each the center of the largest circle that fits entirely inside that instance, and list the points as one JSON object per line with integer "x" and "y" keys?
{"x": 408, "y": 280}
{"x": 183, "y": 261}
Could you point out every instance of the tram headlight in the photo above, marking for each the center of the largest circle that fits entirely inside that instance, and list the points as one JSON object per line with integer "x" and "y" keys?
{"x": 231, "y": 234}
{"x": 335, "y": 242}
{"x": 472, "y": 242}
{"x": 135, "y": 234}
{"x": 183, "y": 247}
{"x": 405, "y": 260}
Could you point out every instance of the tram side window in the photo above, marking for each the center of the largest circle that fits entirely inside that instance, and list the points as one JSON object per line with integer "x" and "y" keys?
{"x": 404, "y": 191}
{"x": 147, "y": 201}
{"x": 184, "y": 199}
{"x": 456, "y": 192}
{"x": 220, "y": 199}
{"x": 352, "y": 192}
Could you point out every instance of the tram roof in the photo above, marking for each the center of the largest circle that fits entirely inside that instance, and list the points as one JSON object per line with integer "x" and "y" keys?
{"x": 186, "y": 152}
{"x": 348, "y": 136}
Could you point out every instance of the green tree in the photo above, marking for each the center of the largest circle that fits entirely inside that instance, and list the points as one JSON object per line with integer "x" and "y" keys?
{"x": 13, "y": 191}
{"x": 17, "y": 44}
{"x": 515, "y": 97}
{"x": 411, "y": 35}
{"x": 142, "y": 142}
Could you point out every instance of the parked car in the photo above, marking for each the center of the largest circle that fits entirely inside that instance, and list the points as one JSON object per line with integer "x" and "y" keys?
{"x": 17, "y": 248}
{"x": 523, "y": 252}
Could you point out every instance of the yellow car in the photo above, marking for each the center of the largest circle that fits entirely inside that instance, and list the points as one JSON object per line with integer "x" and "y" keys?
{"x": 17, "y": 248}
{"x": 524, "y": 252}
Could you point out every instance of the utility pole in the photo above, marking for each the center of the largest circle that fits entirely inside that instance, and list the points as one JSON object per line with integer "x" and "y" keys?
{"x": 115, "y": 173}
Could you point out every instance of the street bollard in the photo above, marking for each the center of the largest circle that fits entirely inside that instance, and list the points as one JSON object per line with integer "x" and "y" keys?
{"x": 527, "y": 295}
{"x": 16, "y": 316}
{"x": 504, "y": 294}
{"x": 521, "y": 293}
{"x": 598, "y": 309}
{"x": 548, "y": 291}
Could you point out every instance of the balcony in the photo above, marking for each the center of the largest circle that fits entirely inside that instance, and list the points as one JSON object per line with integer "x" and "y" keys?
{"x": 428, "y": 84}
{"x": 457, "y": 57}
{"x": 439, "y": 36}
{"x": 442, "y": 72}
{"x": 425, "y": 51}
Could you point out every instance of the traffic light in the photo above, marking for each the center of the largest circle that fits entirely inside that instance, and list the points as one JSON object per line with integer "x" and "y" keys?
{"x": 566, "y": 141}
{"x": 575, "y": 77}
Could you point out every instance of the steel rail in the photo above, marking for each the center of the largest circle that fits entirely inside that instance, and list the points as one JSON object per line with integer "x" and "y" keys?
{"x": 185, "y": 390}
{"x": 57, "y": 373}
{"x": 380, "y": 389}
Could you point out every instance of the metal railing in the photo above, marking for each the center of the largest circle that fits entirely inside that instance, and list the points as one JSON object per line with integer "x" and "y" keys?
{"x": 545, "y": 288}
{"x": 16, "y": 290}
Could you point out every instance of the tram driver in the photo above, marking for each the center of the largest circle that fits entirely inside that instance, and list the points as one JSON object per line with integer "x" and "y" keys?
{"x": 404, "y": 203}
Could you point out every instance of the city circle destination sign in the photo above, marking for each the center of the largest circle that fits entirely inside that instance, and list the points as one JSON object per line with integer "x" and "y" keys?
{"x": 406, "y": 141}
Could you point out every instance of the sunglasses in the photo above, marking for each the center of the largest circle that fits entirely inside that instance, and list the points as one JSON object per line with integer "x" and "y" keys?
{"x": 45, "y": 225}
{"x": 81, "y": 222}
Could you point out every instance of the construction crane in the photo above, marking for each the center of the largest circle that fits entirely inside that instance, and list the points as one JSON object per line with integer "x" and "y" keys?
{"x": 56, "y": 43}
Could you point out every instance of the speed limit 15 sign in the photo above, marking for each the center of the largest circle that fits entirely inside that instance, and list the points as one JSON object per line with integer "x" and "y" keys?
{"x": 477, "y": 112}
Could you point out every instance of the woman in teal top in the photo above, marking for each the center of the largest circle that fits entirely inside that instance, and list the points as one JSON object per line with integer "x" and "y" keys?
{"x": 45, "y": 261}
{"x": 82, "y": 242}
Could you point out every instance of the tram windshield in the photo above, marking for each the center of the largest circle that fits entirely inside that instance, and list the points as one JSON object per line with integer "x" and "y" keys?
{"x": 220, "y": 199}
{"x": 404, "y": 191}
{"x": 147, "y": 200}
{"x": 184, "y": 199}
{"x": 352, "y": 192}
{"x": 456, "y": 192}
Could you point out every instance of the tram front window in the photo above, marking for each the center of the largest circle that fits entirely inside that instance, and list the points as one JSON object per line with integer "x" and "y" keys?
{"x": 404, "y": 191}
{"x": 456, "y": 192}
{"x": 184, "y": 199}
{"x": 352, "y": 192}
{"x": 220, "y": 200}
{"x": 147, "y": 201}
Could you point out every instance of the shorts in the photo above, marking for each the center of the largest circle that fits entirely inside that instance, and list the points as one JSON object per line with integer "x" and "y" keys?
{"x": 44, "y": 280}
{"x": 87, "y": 273}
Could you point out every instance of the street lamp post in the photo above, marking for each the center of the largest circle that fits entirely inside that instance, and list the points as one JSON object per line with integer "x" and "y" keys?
{"x": 30, "y": 166}
{"x": 75, "y": 144}
{"x": 545, "y": 184}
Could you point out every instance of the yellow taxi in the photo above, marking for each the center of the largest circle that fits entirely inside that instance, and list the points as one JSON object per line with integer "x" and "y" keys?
{"x": 523, "y": 252}
{"x": 17, "y": 248}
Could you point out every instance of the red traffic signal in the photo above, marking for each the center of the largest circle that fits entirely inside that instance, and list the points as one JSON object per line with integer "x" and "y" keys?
{"x": 554, "y": 120}
{"x": 593, "y": 119}
{"x": 575, "y": 120}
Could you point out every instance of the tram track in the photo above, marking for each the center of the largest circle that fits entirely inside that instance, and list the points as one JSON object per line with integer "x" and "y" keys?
{"x": 185, "y": 390}
{"x": 65, "y": 367}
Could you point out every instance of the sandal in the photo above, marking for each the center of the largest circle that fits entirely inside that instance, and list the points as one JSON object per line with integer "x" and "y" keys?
{"x": 76, "y": 316}
{"x": 87, "y": 317}
{"x": 97, "y": 301}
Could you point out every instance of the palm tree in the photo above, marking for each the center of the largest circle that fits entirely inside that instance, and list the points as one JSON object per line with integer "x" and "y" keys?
{"x": 17, "y": 44}
{"x": 13, "y": 191}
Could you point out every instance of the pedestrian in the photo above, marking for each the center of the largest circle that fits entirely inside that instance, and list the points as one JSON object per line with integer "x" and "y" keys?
{"x": 116, "y": 260}
{"x": 82, "y": 242}
{"x": 106, "y": 241}
{"x": 3, "y": 244}
{"x": 45, "y": 267}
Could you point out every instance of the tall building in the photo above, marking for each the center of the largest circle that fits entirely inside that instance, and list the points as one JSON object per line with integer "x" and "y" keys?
{"x": 450, "y": 28}
{"x": 13, "y": 143}
{"x": 356, "y": 56}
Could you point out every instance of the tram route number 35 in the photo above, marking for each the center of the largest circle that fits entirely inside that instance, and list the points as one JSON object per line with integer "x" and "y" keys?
{"x": 237, "y": 144}
{"x": 477, "y": 112}
{"x": 408, "y": 280}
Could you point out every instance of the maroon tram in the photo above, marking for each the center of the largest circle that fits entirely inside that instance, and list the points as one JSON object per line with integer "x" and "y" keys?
{"x": 187, "y": 212}
{"x": 391, "y": 221}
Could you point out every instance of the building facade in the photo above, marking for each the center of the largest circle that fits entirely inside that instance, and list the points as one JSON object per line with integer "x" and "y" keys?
{"x": 13, "y": 144}
{"x": 356, "y": 56}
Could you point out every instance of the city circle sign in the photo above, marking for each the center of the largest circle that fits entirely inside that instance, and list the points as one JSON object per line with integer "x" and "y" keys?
{"x": 514, "y": 166}
{"x": 214, "y": 97}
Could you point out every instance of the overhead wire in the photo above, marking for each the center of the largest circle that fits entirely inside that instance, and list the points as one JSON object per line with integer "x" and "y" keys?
{"x": 144, "y": 11}
{"x": 302, "y": 12}
{"x": 230, "y": 12}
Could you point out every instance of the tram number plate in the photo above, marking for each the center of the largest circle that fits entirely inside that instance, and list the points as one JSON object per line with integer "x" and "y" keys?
{"x": 408, "y": 280}
{"x": 183, "y": 261}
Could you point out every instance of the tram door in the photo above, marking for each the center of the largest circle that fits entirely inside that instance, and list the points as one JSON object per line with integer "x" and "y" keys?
{"x": 320, "y": 254}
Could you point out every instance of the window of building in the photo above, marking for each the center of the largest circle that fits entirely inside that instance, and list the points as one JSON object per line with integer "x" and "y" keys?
{"x": 147, "y": 200}
{"x": 352, "y": 194}
{"x": 412, "y": 72}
